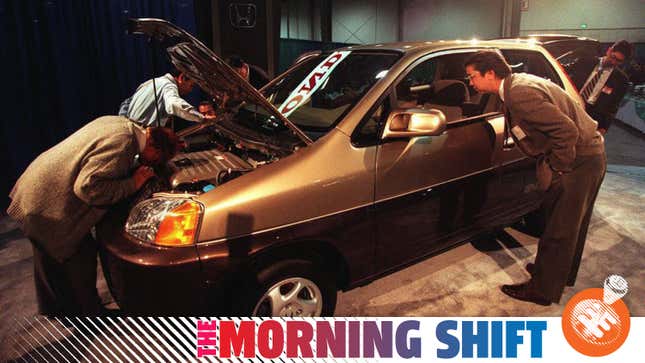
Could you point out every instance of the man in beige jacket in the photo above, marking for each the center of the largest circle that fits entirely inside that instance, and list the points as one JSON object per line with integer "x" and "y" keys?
{"x": 67, "y": 190}
{"x": 546, "y": 123}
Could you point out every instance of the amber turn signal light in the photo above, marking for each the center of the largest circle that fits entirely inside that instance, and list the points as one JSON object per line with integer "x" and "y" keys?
{"x": 179, "y": 226}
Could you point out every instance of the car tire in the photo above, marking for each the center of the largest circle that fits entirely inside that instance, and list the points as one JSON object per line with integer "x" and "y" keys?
{"x": 290, "y": 288}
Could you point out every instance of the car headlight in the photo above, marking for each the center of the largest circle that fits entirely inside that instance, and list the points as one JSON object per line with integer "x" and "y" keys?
{"x": 165, "y": 221}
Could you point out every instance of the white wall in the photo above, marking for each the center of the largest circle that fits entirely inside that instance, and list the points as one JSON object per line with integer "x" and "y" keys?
{"x": 296, "y": 20}
{"x": 451, "y": 19}
{"x": 364, "y": 21}
{"x": 607, "y": 21}
{"x": 377, "y": 21}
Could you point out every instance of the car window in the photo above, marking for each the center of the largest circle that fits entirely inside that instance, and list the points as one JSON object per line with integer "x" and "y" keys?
{"x": 369, "y": 130}
{"x": 528, "y": 61}
{"x": 333, "y": 94}
{"x": 439, "y": 83}
{"x": 586, "y": 48}
{"x": 418, "y": 79}
{"x": 572, "y": 56}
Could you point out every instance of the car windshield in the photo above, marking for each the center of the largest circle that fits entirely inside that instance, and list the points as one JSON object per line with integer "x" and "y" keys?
{"x": 317, "y": 94}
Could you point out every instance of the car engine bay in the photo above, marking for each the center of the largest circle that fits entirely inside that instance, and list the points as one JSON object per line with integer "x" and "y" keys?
{"x": 209, "y": 159}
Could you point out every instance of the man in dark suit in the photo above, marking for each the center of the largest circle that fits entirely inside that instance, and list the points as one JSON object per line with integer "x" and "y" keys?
{"x": 601, "y": 83}
{"x": 546, "y": 123}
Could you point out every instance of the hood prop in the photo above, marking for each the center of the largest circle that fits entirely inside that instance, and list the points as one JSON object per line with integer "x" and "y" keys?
{"x": 154, "y": 75}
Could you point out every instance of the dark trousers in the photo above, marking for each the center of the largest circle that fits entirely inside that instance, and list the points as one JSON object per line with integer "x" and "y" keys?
{"x": 68, "y": 287}
{"x": 604, "y": 121}
{"x": 568, "y": 205}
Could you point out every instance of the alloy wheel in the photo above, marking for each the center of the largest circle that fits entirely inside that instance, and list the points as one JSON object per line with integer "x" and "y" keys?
{"x": 292, "y": 297}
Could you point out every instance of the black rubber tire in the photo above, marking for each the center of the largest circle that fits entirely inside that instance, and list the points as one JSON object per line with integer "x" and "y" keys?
{"x": 277, "y": 271}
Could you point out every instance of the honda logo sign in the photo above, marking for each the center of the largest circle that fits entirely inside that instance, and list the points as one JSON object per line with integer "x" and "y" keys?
{"x": 242, "y": 15}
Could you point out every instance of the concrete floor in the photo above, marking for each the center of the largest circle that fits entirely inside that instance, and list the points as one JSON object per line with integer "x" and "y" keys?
{"x": 462, "y": 282}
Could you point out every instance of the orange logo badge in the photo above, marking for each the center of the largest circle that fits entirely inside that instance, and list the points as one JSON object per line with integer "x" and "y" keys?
{"x": 595, "y": 322}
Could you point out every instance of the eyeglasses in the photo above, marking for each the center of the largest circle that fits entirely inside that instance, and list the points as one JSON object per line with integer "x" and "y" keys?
{"x": 613, "y": 57}
{"x": 469, "y": 77}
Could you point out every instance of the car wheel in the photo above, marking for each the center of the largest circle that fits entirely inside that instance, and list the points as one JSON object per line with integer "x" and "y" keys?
{"x": 293, "y": 288}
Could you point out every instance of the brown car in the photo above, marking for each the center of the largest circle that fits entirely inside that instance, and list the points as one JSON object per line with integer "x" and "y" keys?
{"x": 348, "y": 166}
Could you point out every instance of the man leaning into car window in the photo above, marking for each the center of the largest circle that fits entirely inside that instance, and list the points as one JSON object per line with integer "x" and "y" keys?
{"x": 141, "y": 107}
{"x": 67, "y": 190}
{"x": 545, "y": 122}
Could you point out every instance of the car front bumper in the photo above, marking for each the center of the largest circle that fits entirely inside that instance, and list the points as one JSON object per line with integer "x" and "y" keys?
{"x": 148, "y": 279}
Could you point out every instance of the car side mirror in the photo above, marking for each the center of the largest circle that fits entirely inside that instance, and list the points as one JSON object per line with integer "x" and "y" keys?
{"x": 414, "y": 122}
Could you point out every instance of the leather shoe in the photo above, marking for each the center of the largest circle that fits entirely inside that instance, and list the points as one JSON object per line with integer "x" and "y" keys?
{"x": 525, "y": 292}
{"x": 530, "y": 268}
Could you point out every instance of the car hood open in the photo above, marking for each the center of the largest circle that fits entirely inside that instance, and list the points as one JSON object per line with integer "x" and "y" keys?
{"x": 209, "y": 71}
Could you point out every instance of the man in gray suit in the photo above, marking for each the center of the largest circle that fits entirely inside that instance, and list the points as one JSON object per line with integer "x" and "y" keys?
{"x": 546, "y": 123}
{"x": 67, "y": 190}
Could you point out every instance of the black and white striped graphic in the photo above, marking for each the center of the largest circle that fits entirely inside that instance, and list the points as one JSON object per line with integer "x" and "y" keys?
{"x": 106, "y": 339}
{"x": 119, "y": 339}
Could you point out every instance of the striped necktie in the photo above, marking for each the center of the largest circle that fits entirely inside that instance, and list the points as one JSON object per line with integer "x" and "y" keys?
{"x": 588, "y": 89}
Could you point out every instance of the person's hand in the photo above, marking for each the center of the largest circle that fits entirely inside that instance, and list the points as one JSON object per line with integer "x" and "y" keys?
{"x": 141, "y": 176}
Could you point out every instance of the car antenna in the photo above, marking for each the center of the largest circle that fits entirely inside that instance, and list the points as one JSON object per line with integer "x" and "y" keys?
{"x": 154, "y": 84}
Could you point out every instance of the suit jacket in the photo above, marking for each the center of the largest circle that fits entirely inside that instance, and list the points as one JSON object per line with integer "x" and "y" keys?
{"x": 614, "y": 89}
{"x": 548, "y": 124}
{"x": 66, "y": 190}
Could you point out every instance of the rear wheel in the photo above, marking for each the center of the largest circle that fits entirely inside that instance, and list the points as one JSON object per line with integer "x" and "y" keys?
{"x": 292, "y": 288}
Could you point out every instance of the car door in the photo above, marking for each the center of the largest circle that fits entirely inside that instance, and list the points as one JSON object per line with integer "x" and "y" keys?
{"x": 432, "y": 191}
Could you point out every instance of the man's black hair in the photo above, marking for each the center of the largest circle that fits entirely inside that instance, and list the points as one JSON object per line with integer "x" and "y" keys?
{"x": 235, "y": 61}
{"x": 623, "y": 47}
{"x": 175, "y": 72}
{"x": 164, "y": 140}
{"x": 488, "y": 60}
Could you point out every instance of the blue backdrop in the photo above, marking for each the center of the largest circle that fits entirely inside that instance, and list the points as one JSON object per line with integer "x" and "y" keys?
{"x": 67, "y": 62}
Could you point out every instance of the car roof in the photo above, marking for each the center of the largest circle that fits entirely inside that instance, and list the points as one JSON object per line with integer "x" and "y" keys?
{"x": 438, "y": 45}
{"x": 553, "y": 38}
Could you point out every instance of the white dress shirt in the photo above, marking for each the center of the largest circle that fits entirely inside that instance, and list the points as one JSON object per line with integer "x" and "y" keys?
{"x": 141, "y": 107}
{"x": 606, "y": 72}
{"x": 501, "y": 90}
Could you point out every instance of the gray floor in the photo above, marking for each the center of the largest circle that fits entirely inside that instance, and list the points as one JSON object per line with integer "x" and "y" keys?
{"x": 462, "y": 282}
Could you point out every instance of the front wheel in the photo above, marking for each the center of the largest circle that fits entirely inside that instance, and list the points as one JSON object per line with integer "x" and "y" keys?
{"x": 292, "y": 288}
